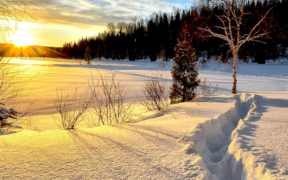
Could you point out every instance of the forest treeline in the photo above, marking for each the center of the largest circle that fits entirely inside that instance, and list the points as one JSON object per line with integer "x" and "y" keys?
{"x": 156, "y": 37}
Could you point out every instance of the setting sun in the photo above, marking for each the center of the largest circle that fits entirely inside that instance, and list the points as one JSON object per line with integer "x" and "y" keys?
{"x": 22, "y": 38}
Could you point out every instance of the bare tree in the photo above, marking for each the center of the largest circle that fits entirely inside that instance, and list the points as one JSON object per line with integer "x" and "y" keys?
{"x": 134, "y": 19}
{"x": 121, "y": 27}
{"x": 12, "y": 78}
{"x": 12, "y": 12}
{"x": 231, "y": 24}
{"x": 111, "y": 28}
{"x": 129, "y": 28}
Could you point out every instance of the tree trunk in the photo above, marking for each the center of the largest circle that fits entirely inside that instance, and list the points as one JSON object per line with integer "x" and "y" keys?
{"x": 184, "y": 95}
{"x": 234, "y": 89}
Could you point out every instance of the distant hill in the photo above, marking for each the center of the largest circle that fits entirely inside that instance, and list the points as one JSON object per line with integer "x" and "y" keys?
{"x": 11, "y": 50}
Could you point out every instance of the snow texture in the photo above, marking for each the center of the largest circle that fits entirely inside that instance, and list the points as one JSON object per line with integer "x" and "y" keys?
{"x": 221, "y": 145}
{"x": 246, "y": 139}
{"x": 144, "y": 150}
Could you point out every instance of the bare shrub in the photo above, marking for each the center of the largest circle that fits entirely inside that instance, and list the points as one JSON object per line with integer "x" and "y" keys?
{"x": 11, "y": 75}
{"x": 13, "y": 81}
{"x": 205, "y": 88}
{"x": 155, "y": 93}
{"x": 109, "y": 101}
{"x": 71, "y": 108}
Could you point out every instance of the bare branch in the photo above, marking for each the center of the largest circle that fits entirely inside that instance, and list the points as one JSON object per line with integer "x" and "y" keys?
{"x": 12, "y": 12}
{"x": 223, "y": 23}
{"x": 249, "y": 38}
{"x": 221, "y": 36}
{"x": 231, "y": 22}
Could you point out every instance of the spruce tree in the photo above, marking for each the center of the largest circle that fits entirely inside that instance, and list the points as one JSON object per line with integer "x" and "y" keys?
{"x": 87, "y": 55}
{"x": 184, "y": 70}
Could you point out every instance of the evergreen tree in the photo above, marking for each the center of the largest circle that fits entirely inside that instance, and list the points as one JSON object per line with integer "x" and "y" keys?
{"x": 87, "y": 55}
{"x": 184, "y": 70}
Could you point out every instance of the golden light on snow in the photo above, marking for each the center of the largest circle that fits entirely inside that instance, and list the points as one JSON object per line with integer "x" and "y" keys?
{"x": 22, "y": 38}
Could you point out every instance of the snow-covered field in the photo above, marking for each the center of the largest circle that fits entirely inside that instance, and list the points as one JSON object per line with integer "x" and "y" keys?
{"x": 224, "y": 136}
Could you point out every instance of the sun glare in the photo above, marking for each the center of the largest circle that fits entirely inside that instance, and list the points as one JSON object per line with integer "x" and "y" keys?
{"x": 22, "y": 38}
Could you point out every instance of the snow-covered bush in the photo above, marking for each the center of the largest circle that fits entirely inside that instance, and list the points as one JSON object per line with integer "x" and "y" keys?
{"x": 155, "y": 93}
{"x": 5, "y": 114}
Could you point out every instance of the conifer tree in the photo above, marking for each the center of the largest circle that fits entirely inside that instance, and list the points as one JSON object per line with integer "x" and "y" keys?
{"x": 87, "y": 56}
{"x": 184, "y": 70}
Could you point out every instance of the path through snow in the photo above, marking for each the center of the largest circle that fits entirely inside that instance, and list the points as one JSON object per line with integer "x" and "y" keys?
{"x": 223, "y": 147}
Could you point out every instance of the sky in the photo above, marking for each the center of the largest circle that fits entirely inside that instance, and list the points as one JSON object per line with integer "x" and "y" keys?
{"x": 58, "y": 21}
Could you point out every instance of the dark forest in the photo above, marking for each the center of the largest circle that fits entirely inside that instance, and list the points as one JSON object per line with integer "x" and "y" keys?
{"x": 157, "y": 37}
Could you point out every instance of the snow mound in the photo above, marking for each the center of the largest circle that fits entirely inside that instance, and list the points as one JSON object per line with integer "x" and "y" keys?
{"x": 218, "y": 146}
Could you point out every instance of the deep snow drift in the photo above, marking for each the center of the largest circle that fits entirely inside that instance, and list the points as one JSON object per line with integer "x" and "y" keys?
{"x": 221, "y": 137}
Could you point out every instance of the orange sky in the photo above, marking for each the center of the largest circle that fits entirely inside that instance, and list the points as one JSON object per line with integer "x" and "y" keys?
{"x": 60, "y": 21}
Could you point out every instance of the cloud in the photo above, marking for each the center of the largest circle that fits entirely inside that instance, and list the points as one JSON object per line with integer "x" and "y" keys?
{"x": 92, "y": 13}
{"x": 59, "y": 21}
